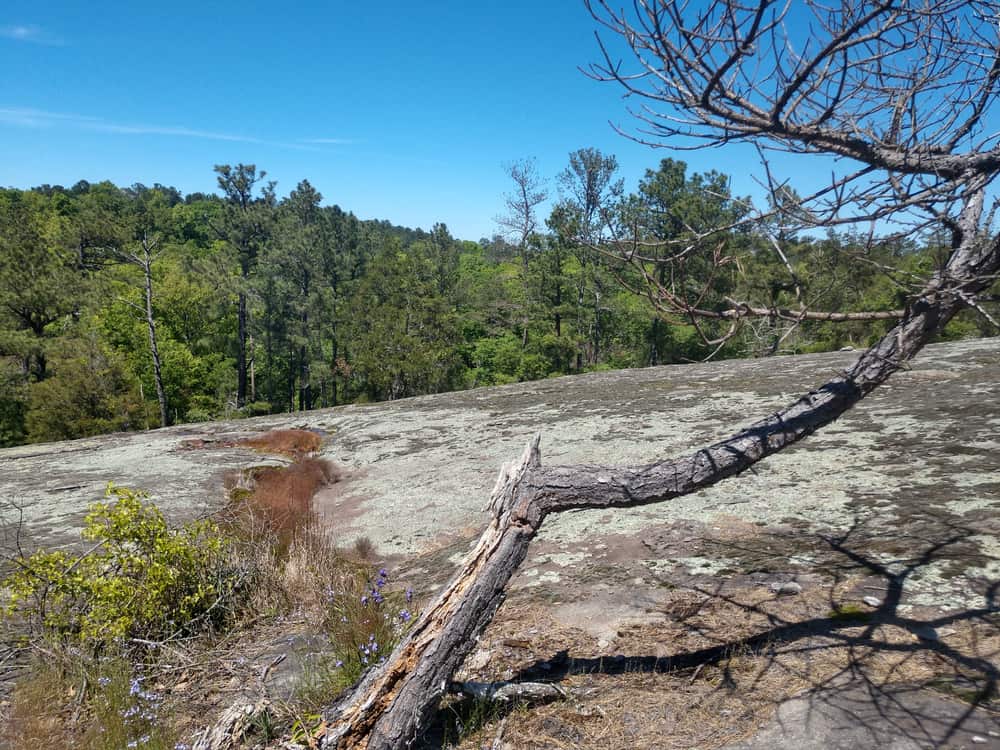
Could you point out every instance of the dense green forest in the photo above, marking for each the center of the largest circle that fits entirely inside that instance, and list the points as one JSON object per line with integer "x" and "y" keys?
{"x": 130, "y": 308}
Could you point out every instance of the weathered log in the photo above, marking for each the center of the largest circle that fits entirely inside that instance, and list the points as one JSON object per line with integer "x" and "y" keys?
{"x": 505, "y": 691}
{"x": 388, "y": 707}
{"x": 227, "y": 733}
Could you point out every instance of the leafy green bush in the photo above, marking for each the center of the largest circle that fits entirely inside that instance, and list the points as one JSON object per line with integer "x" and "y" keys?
{"x": 89, "y": 393}
{"x": 140, "y": 579}
{"x": 257, "y": 409}
{"x": 533, "y": 367}
{"x": 201, "y": 409}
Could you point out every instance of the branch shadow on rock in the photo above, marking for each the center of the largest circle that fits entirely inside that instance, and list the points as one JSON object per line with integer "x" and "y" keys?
{"x": 868, "y": 693}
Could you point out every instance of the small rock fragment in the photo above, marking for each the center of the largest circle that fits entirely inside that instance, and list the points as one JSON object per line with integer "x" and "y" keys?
{"x": 479, "y": 659}
{"x": 872, "y": 601}
{"x": 788, "y": 588}
{"x": 523, "y": 643}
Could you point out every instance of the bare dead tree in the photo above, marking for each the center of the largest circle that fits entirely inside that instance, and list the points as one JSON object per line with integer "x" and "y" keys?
{"x": 142, "y": 253}
{"x": 897, "y": 93}
{"x": 588, "y": 186}
{"x": 902, "y": 90}
{"x": 520, "y": 222}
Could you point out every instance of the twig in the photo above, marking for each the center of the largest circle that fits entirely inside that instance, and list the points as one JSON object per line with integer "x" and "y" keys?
{"x": 274, "y": 662}
{"x": 498, "y": 737}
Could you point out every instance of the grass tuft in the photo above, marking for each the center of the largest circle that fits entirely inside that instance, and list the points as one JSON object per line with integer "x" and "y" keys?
{"x": 112, "y": 705}
{"x": 280, "y": 497}
{"x": 849, "y": 613}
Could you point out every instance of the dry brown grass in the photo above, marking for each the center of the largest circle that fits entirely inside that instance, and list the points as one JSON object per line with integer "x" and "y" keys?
{"x": 364, "y": 549}
{"x": 280, "y": 497}
{"x": 292, "y": 443}
{"x": 31, "y": 722}
{"x": 312, "y": 566}
{"x": 284, "y": 494}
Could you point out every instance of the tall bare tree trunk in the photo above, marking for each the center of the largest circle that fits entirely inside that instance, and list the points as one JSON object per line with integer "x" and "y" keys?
{"x": 146, "y": 261}
{"x": 241, "y": 352}
{"x": 252, "y": 369}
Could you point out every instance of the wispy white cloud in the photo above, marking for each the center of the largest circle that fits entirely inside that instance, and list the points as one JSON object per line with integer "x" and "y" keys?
{"x": 37, "y": 118}
{"x": 31, "y": 34}
{"x": 111, "y": 127}
{"x": 34, "y": 118}
{"x": 330, "y": 141}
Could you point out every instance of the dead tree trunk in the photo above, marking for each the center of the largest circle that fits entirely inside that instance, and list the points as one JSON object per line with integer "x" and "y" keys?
{"x": 146, "y": 262}
{"x": 143, "y": 258}
{"x": 392, "y": 702}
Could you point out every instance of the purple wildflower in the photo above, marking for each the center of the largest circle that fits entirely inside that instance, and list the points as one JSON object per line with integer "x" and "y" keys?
{"x": 131, "y": 712}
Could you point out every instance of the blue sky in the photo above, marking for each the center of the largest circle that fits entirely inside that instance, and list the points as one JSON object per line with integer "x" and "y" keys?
{"x": 396, "y": 110}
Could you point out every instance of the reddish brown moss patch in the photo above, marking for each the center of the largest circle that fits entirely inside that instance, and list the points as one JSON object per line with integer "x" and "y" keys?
{"x": 292, "y": 443}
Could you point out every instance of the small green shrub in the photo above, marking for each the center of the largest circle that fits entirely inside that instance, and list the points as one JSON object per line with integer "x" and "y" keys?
{"x": 140, "y": 579}
{"x": 256, "y": 409}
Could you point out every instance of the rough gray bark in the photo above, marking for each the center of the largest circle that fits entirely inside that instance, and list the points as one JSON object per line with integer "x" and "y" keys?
{"x": 388, "y": 708}
{"x": 227, "y": 733}
{"x": 782, "y": 313}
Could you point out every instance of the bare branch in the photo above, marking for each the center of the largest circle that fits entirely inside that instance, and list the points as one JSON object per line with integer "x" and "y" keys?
{"x": 903, "y": 90}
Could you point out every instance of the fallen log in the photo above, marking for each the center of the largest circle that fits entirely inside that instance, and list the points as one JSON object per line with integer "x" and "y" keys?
{"x": 506, "y": 691}
{"x": 228, "y": 731}
{"x": 392, "y": 703}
